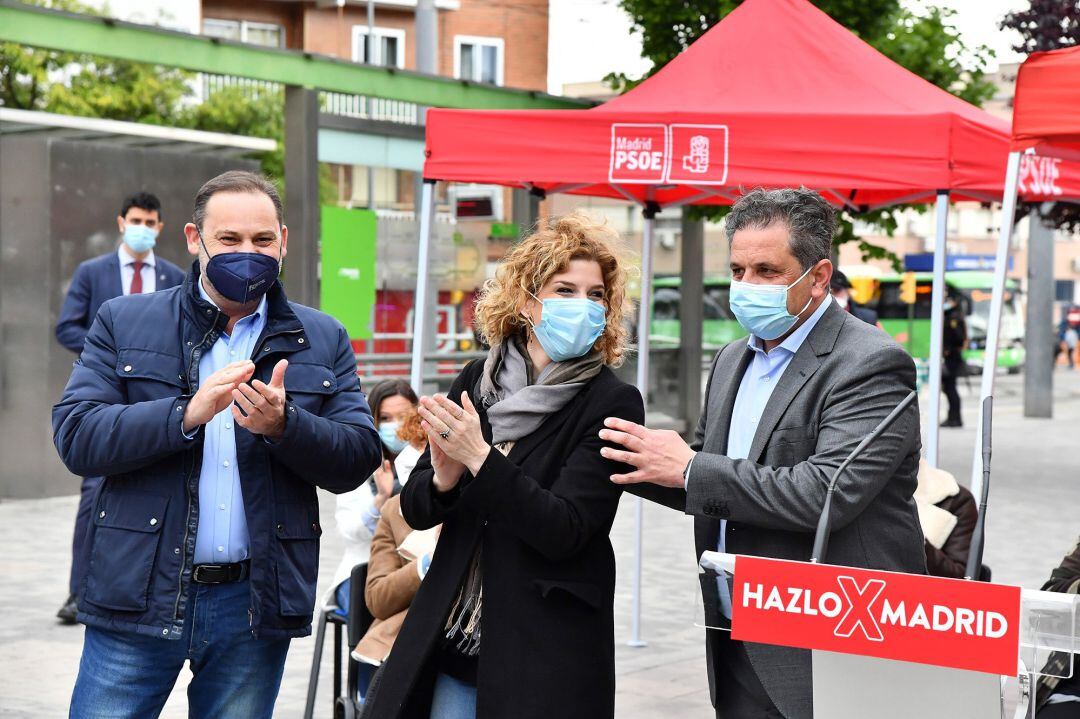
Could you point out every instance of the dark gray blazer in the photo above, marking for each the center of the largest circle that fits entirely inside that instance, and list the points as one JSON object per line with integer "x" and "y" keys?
{"x": 840, "y": 384}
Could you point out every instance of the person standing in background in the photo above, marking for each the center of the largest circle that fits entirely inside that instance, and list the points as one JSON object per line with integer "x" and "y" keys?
{"x": 954, "y": 340}
{"x": 840, "y": 289}
{"x": 131, "y": 270}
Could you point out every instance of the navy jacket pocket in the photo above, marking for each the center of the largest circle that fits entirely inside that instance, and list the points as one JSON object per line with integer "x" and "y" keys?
{"x": 309, "y": 385}
{"x": 126, "y": 538}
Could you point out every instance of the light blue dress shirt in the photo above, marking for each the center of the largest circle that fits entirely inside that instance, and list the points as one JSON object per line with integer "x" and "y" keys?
{"x": 223, "y": 533}
{"x": 755, "y": 389}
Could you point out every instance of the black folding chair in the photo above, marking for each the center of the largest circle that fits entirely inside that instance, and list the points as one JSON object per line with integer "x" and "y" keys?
{"x": 346, "y": 705}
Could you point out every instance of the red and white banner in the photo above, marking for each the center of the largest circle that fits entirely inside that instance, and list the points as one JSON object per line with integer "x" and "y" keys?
{"x": 909, "y": 617}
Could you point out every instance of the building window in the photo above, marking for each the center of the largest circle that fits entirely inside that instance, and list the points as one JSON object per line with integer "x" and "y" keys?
{"x": 1064, "y": 290}
{"x": 256, "y": 33}
{"x": 479, "y": 59}
{"x": 388, "y": 49}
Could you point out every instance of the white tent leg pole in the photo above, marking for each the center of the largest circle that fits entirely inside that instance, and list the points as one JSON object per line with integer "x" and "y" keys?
{"x": 937, "y": 325}
{"x": 644, "y": 318}
{"x": 997, "y": 300}
{"x": 419, "y": 348}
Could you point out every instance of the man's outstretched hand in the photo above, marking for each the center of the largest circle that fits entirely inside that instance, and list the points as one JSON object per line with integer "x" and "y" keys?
{"x": 660, "y": 456}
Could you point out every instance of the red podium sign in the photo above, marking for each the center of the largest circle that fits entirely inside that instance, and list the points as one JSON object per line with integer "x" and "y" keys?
{"x": 909, "y": 617}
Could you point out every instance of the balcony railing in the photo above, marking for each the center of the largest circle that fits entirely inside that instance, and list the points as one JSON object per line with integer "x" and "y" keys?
{"x": 331, "y": 103}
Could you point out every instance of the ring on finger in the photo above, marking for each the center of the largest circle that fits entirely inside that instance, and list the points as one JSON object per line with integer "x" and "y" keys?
{"x": 445, "y": 434}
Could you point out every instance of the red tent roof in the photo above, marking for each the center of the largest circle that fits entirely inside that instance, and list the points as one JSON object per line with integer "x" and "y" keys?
{"x": 1046, "y": 112}
{"x": 777, "y": 94}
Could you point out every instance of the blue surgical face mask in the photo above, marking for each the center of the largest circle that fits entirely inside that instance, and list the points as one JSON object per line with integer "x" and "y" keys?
{"x": 139, "y": 238}
{"x": 763, "y": 309}
{"x": 390, "y": 440}
{"x": 242, "y": 277}
{"x": 569, "y": 326}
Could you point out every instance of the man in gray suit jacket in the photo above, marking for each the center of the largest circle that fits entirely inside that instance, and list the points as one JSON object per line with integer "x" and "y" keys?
{"x": 782, "y": 411}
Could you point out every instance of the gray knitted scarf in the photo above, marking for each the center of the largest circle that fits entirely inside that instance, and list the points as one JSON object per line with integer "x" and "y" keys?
{"x": 517, "y": 406}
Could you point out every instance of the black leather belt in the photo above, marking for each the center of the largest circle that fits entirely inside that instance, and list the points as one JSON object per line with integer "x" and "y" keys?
{"x": 221, "y": 573}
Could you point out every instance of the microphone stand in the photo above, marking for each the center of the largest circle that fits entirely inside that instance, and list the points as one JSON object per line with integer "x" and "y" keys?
{"x": 821, "y": 538}
{"x": 975, "y": 553}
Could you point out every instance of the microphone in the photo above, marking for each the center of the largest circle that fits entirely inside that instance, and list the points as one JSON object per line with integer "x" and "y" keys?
{"x": 975, "y": 553}
{"x": 821, "y": 538}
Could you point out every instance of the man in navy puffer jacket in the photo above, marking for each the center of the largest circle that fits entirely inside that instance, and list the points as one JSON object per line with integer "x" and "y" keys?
{"x": 213, "y": 410}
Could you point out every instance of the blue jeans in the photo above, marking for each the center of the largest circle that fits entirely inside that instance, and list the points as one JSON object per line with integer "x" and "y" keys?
{"x": 123, "y": 674}
{"x": 341, "y": 596}
{"x": 453, "y": 699}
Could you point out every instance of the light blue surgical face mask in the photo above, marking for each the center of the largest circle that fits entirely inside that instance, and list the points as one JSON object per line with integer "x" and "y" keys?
{"x": 139, "y": 238}
{"x": 569, "y": 326}
{"x": 390, "y": 440}
{"x": 763, "y": 309}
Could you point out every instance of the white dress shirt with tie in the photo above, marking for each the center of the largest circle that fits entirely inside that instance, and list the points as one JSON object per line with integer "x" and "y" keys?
{"x": 755, "y": 389}
{"x": 127, "y": 271}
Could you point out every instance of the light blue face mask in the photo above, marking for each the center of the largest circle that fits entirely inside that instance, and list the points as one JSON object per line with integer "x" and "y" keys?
{"x": 569, "y": 326}
{"x": 139, "y": 238}
{"x": 390, "y": 440}
{"x": 763, "y": 309}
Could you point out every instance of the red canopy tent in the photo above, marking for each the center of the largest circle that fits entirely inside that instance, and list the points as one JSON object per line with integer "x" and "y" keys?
{"x": 1046, "y": 120}
{"x": 777, "y": 94}
{"x": 1046, "y": 111}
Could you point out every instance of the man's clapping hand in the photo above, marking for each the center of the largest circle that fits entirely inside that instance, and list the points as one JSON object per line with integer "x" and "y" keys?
{"x": 215, "y": 393}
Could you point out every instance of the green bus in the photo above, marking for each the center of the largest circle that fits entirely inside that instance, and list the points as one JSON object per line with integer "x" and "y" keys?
{"x": 881, "y": 294}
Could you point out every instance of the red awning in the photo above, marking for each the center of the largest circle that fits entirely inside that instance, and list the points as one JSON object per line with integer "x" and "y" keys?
{"x": 1046, "y": 111}
{"x": 776, "y": 95}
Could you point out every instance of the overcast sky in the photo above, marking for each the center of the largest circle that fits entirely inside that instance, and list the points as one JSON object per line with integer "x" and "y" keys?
{"x": 590, "y": 38}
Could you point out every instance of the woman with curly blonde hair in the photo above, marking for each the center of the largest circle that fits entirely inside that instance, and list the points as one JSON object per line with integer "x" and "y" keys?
{"x": 514, "y": 616}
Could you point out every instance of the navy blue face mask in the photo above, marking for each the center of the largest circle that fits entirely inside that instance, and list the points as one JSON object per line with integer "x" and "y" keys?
{"x": 242, "y": 277}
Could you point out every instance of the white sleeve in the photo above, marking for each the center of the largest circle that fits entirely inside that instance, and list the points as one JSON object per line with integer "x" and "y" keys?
{"x": 352, "y": 513}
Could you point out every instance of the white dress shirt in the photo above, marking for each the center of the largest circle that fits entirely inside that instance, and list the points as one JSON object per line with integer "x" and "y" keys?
{"x": 127, "y": 271}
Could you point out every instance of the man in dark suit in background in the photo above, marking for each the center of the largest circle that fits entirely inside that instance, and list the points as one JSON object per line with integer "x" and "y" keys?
{"x": 840, "y": 288}
{"x": 131, "y": 269}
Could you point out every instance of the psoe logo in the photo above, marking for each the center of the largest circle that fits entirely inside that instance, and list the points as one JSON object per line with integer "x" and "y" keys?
{"x": 1039, "y": 175}
{"x": 699, "y": 154}
{"x": 638, "y": 153}
{"x": 697, "y": 160}
{"x": 868, "y": 610}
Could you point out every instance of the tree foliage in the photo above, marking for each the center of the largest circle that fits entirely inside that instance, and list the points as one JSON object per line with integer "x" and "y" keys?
{"x": 92, "y": 86}
{"x": 1045, "y": 25}
{"x": 1048, "y": 25}
{"x": 925, "y": 42}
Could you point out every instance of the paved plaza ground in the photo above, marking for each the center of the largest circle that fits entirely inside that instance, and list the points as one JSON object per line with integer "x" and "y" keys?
{"x": 1032, "y": 522}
